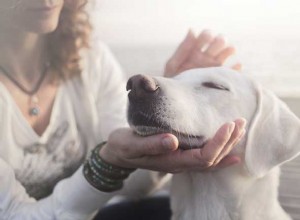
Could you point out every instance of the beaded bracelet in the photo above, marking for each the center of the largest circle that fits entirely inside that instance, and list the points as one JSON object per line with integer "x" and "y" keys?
{"x": 102, "y": 175}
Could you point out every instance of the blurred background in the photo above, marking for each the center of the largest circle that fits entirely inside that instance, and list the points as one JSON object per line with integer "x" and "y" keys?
{"x": 144, "y": 33}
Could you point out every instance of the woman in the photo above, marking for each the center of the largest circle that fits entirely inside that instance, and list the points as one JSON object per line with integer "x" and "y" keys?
{"x": 61, "y": 95}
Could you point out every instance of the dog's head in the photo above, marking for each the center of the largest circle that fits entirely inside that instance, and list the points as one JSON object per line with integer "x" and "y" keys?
{"x": 196, "y": 103}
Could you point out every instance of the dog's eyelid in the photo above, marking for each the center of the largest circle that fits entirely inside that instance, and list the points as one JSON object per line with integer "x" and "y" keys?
{"x": 215, "y": 86}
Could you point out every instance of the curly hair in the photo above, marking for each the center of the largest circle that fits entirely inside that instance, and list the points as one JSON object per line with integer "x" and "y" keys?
{"x": 71, "y": 35}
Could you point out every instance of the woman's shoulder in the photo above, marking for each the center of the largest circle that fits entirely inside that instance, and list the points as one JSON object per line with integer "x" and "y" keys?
{"x": 98, "y": 53}
{"x": 100, "y": 65}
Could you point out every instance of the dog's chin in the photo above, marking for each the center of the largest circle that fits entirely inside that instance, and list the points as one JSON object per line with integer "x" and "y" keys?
{"x": 186, "y": 141}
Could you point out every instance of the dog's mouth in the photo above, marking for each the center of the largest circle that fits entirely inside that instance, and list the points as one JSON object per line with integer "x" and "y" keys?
{"x": 186, "y": 141}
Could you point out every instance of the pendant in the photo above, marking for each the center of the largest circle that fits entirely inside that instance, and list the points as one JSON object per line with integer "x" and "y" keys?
{"x": 34, "y": 109}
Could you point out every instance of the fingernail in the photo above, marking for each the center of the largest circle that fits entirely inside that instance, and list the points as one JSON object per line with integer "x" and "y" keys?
{"x": 168, "y": 142}
{"x": 231, "y": 127}
{"x": 190, "y": 35}
{"x": 242, "y": 133}
{"x": 242, "y": 123}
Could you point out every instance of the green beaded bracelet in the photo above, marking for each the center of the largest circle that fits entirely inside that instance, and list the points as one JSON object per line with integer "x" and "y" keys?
{"x": 102, "y": 175}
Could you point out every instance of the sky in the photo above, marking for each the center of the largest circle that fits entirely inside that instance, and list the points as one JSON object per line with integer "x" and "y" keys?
{"x": 266, "y": 33}
{"x": 168, "y": 20}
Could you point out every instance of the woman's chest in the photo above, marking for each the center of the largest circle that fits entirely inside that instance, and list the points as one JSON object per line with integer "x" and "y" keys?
{"x": 37, "y": 108}
{"x": 40, "y": 162}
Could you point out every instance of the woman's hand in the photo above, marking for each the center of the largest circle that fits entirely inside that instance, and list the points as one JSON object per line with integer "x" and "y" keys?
{"x": 160, "y": 152}
{"x": 199, "y": 52}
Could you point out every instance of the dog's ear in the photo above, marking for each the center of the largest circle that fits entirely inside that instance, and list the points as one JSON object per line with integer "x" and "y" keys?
{"x": 274, "y": 134}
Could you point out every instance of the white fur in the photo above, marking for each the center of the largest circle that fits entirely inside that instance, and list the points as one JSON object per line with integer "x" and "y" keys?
{"x": 247, "y": 191}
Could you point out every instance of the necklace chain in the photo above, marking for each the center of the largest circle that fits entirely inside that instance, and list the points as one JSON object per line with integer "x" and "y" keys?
{"x": 21, "y": 87}
{"x": 34, "y": 109}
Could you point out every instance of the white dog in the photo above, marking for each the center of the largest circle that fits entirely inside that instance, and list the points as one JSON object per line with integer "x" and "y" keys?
{"x": 193, "y": 106}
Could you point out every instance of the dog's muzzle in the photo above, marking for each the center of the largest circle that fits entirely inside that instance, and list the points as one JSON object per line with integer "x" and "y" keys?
{"x": 148, "y": 111}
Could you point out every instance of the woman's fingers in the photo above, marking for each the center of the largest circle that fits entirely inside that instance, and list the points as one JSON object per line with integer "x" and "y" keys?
{"x": 153, "y": 145}
{"x": 216, "y": 46}
{"x": 194, "y": 159}
{"x": 214, "y": 147}
{"x": 199, "y": 52}
{"x": 215, "y": 150}
{"x": 180, "y": 55}
{"x": 160, "y": 152}
{"x": 204, "y": 38}
{"x": 236, "y": 135}
{"x": 224, "y": 54}
{"x": 131, "y": 145}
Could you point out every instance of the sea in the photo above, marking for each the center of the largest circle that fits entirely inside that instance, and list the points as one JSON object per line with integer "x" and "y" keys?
{"x": 273, "y": 62}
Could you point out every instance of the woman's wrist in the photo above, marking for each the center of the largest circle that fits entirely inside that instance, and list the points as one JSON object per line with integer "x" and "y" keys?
{"x": 103, "y": 175}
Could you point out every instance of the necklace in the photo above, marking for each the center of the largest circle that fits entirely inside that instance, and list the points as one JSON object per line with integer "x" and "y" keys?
{"x": 34, "y": 109}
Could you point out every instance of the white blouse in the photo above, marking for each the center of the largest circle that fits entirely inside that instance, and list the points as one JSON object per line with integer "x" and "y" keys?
{"x": 41, "y": 176}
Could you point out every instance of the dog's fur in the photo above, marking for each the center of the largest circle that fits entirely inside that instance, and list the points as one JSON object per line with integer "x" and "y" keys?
{"x": 197, "y": 103}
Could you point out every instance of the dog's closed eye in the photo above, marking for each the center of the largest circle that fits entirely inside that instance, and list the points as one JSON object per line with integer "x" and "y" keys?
{"x": 215, "y": 86}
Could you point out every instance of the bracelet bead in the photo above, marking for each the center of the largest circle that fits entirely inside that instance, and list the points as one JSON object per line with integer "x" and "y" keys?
{"x": 102, "y": 175}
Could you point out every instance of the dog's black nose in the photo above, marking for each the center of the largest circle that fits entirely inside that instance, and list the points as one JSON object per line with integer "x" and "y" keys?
{"x": 141, "y": 86}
